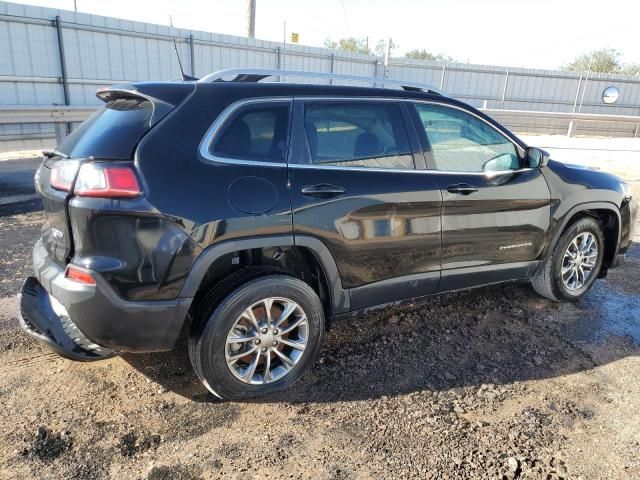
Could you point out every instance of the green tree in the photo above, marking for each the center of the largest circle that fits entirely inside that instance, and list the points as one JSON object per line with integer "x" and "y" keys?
{"x": 357, "y": 45}
{"x": 632, "y": 69}
{"x": 351, "y": 44}
{"x": 605, "y": 60}
{"x": 381, "y": 48}
{"x": 422, "y": 54}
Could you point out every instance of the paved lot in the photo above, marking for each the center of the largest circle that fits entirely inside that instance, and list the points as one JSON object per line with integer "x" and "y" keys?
{"x": 16, "y": 181}
{"x": 483, "y": 384}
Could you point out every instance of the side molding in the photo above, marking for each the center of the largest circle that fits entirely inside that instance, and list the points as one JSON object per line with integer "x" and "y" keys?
{"x": 395, "y": 290}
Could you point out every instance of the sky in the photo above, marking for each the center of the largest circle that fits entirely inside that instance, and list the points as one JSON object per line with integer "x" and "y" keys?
{"x": 520, "y": 33}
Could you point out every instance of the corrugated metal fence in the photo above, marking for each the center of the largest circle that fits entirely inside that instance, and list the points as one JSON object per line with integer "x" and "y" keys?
{"x": 50, "y": 56}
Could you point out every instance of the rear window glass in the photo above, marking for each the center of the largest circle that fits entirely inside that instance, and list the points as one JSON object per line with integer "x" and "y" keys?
{"x": 257, "y": 133}
{"x": 112, "y": 132}
{"x": 365, "y": 134}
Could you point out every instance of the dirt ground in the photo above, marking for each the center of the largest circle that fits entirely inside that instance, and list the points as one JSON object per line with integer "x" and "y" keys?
{"x": 491, "y": 383}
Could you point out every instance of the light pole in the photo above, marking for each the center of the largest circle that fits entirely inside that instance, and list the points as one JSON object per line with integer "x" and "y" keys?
{"x": 586, "y": 79}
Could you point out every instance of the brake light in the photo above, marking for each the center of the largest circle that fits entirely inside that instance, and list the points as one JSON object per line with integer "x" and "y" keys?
{"x": 62, "y": 174}
{"x": 79, "y": 275}
{"x": 107, "y": 180}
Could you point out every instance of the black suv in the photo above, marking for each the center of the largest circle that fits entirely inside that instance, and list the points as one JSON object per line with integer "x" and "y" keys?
{"x": 248, "y": 214}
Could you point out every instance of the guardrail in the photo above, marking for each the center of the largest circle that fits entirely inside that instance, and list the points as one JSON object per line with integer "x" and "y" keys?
{"x": 573, "y": 117}
{"x": 63, "y": 115}
{"x": 55, "y": 114}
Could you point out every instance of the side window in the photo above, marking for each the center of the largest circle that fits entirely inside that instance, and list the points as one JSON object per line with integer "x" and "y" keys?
{"x": 462, "y": 143}
{"x": 256, "y": 132}
{"x": 357, "y": 134}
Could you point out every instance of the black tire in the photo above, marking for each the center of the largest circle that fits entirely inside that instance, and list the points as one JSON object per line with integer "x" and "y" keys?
{"x": 205, "y": 303}
{"x": 207, "y": 345}
{"x": 548, "y": 282}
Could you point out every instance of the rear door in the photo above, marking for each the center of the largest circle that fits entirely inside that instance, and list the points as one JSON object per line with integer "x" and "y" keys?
{"x": 355, "y": 186}
{"x": 495, "y": 212}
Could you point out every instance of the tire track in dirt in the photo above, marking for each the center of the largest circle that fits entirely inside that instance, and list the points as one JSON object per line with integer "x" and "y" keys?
{"x": 30, "y": 361}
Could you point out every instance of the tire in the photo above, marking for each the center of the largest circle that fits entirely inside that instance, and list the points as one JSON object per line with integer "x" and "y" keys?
{"x": 205, "y": 303}
{"x": 549, "y": 281}
{"x": 257, "y": 373}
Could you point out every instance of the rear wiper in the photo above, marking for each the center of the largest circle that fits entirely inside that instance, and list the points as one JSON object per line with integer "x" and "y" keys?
{"x": 54, "y": 153}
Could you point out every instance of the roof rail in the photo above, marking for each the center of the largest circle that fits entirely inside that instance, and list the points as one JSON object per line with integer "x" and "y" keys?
{"x": 255, "y": 75}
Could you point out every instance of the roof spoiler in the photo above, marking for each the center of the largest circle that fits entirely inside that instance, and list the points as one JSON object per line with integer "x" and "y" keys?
{"x": 162, "y": 96}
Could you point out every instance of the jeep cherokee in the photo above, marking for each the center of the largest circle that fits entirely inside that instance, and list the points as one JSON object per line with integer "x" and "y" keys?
{"x": 248, "y": 214}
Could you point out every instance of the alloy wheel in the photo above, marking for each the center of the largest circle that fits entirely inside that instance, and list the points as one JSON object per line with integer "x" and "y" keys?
{"x": 579, "y": 261}
{"x": 267, "y": 340}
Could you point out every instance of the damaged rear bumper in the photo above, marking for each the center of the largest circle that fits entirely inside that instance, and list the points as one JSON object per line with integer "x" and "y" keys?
{"x": 91, "y": 322}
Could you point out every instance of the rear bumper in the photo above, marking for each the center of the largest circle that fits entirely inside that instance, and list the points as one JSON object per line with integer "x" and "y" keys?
{"x": 95, "y": 314}
{"x": 39, "y": 319}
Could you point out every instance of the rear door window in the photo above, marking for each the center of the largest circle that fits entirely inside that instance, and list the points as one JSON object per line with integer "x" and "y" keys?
{"x": 112, "y": 132}
{"x": 256, "y": 132}
{"x": 357, "y": 134}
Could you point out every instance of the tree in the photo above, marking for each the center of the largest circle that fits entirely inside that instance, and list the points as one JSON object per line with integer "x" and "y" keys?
{"x": 422, "y": 54}
{"x": 632, "y": 69}
{"x": 381, "y": 48}
{"x": 605, "y": 60}
{"x": 351, "y": 44}
{"x": 356, "y": 45}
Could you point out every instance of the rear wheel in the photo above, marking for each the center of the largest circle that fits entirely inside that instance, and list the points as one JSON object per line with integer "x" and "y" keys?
{"x": 259, "y": 339}
{"x": 574, "y": 264}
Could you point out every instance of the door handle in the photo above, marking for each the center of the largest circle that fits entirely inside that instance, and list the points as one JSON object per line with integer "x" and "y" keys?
{"x": 462, "y": 188}
{"x": 322, "y": 190}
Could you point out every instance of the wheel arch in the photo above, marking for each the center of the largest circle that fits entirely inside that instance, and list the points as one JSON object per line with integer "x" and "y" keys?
{"x": 607, "y": 213}
{"x": 303, "y": 248}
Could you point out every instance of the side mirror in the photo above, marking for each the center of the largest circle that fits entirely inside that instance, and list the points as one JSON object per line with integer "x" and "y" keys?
{"x": 506, "y": 161}
{"x": 537, "y": 158}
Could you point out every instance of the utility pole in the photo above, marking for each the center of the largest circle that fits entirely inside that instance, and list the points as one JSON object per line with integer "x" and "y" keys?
{"x": 251, "y": 18}
{"x": 284, "y": 36}
{"x": 75, "y": 6}
{"x": 387, "y": 54}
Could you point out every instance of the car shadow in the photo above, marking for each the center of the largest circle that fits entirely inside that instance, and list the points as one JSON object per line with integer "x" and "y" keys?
{"x": 494, "y": 335}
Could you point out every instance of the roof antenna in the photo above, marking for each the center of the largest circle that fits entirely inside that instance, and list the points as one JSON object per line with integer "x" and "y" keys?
{"x": 185, "y": 77}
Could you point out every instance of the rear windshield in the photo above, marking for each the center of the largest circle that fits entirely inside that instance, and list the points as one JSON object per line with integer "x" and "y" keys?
{"x": 112, "y": 132}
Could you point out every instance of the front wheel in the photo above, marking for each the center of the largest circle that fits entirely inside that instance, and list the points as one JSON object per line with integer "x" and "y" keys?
{"x": 258, "y": 340}
{"x": 574, "y": 264}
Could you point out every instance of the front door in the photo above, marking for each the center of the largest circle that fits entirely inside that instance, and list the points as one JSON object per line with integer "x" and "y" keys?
{"x": 354, "y": 185}
{"x": 496, "y": 211}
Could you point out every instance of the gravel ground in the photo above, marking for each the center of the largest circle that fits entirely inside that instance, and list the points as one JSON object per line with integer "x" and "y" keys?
{"x": 491, "y": 383}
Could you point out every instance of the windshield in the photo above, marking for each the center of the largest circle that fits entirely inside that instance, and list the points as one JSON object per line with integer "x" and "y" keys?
{"x": 111, "y": 132}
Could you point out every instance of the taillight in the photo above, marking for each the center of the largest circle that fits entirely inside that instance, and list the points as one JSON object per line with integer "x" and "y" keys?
{"x": 107, "y": 180}
{"x": 79, "y": 275}
{"x": 62, "y": 174}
